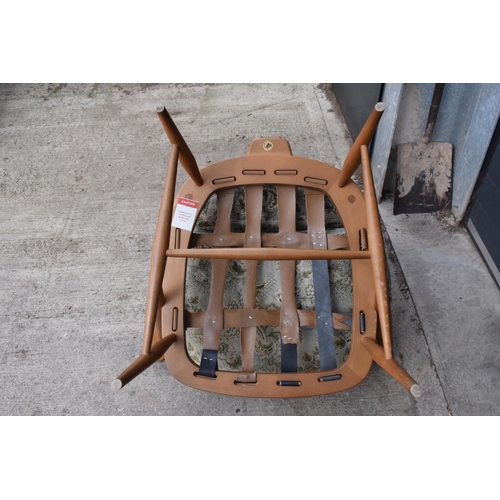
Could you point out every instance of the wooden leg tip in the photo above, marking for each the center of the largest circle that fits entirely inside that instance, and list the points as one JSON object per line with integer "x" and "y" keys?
{"x": 116, "y": 385}
{"x": 416, "y": 390}
{"x": 159, "y": 108}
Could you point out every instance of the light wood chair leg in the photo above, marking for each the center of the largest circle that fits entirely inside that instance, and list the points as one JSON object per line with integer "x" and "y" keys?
{"x": 143, "y": 362}
{"x": 353, "y": 158}
{"x": 391, "y": 366}
{"x": 185, "y": 156}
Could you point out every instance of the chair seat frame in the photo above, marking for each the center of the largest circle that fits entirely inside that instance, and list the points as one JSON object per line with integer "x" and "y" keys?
{"x": 269, "y": 161}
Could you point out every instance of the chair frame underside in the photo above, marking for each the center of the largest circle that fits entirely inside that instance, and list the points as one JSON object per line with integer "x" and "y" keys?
{"x": 166, "y": 323}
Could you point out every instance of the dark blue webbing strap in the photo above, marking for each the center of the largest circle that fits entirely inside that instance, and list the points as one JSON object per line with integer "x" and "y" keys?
{"x": 324, "y": 322}
{"x": 315, "y": 205}
{"x": 288, "y": 358}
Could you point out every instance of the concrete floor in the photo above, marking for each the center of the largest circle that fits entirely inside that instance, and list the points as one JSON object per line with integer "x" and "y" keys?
{"x": 458, "y": 304}
{"x": 82, "y": 170}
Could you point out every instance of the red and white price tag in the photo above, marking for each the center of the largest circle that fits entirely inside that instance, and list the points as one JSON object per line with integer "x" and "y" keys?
{"x": 185, "y": 213}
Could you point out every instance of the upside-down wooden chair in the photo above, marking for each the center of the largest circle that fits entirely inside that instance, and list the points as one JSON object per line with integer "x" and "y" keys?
{"x": 198, "y": 226}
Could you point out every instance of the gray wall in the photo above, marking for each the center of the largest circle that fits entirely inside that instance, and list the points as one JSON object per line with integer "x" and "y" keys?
{"x": 356, "y": 100}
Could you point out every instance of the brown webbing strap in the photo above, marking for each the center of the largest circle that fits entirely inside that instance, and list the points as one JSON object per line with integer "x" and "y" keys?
{"x": 298, "y": 240}
{"x": 250, "y": 317}
{"x": 315, "y": 208}
{"x": 214, "y": 316}
{"x": 253, "y": 203}
{"x": 289, "y": 320}
{"x": 289, "y": 316}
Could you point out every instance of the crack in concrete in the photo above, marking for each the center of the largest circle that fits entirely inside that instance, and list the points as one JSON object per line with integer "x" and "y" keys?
{"x": 323, "y": 115}
{"x": 250, "y": 111}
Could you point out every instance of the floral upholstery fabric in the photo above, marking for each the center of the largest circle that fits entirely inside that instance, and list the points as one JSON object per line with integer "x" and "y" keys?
{"x": 267, "y": 357}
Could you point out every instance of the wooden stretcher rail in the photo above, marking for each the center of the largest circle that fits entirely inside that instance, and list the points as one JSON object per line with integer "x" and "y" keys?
{"x": 267, "y": 254}
{"x": 160, "y": 244}
{"x": 376, "y": 246}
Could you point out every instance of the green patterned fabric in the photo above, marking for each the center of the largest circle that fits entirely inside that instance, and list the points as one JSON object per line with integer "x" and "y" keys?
{"x": 267, "y": 356}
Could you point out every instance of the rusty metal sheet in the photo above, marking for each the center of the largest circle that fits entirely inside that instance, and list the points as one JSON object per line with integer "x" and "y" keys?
{"x": 423, "y": 178}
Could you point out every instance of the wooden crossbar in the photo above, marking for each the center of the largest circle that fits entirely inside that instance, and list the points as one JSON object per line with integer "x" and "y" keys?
{"x": 267, "y": 254}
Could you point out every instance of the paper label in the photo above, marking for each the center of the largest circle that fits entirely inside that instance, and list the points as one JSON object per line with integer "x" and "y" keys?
{"x": 185, "y": 214}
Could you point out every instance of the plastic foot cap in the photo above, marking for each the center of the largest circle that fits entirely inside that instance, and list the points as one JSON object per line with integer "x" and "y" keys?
{"x": 416, "y": 390}
{"x": 116, "y": 385}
